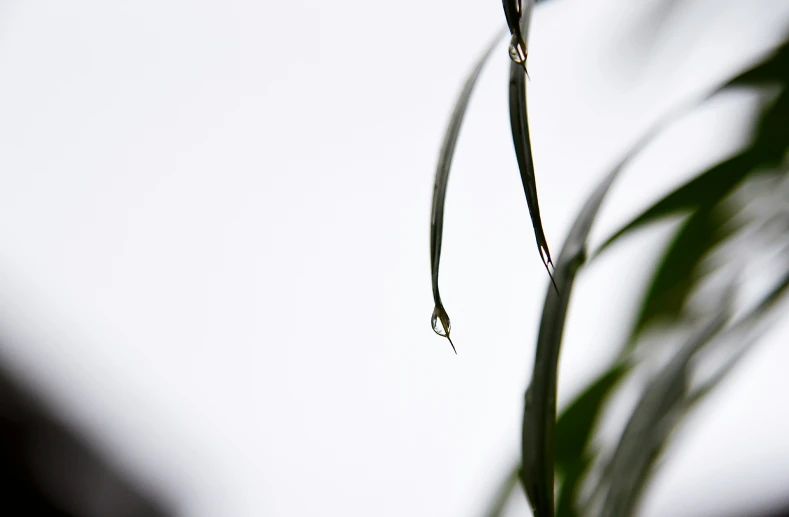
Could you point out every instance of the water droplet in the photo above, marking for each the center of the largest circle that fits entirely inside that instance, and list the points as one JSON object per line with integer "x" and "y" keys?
{"x": 438, "y": 321}
{"x": 518, "y": 51}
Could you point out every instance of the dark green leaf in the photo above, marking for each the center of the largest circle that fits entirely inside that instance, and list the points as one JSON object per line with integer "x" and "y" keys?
{"x": 574, "y": 429}
{"x": 575, "y": 425}
{"x": 772, "y": 70}
{"x": 769, "y": 145}
{"x": 706, "y": 190}
{"x": 678, "y": 273}
{"x": 519, "y": 122}
{"x": 566, "y": 504}
{"x": 539, "y": 417}
{"x": 440, "y": 315}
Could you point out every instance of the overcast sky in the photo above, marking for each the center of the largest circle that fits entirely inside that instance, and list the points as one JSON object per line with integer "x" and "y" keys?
{"x": 214, "y": 240}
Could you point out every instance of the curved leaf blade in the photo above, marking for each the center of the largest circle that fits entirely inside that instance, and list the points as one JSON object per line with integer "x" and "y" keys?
{"x": 539, "y": 416}
{"x": 770, "y": 143}
{"x": 574, "y": 426}
{"x": 440, "y": 315}
{"x": 660, "y": 408}
{"x": 519, "y": 122}
{"x": 574, "y": 429}
{"x": 539, "y": 419}
{"x": 678, "y": 273}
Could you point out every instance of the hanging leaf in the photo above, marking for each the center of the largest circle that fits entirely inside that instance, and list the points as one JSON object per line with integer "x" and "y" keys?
{"x": 539, "y": 419}
{"x": 440, "y": 319}
{"x": 519, "y": 122}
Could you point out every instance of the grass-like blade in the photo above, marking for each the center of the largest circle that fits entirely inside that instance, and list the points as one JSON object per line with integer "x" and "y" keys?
{"x": 667, "y": 400}
{"x": 651, "y": 423}
{"x": 574, "y": 425}
{"x": 574, "y": 429}
{"x": 746, "y": 330}
{"x": 680, "y": 270}
{"x": 521, "y": 140}
{"x": 440, "y": 319}
{"x": 539, "y": 416}
{"x": 772, "y": 70}
{"x": 539, "y": 419}
{"x": 677, "y": 273}
{"x": 770, "y": 143}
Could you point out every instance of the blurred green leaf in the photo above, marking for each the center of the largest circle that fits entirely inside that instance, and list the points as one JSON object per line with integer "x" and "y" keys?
{"x": 705, "y": 190}
{"x": 440, "y": 315}
{"x": 651, "y": 423}
{"x": 774, "y": 69}
{"x": 666, "y": 401}
{"x": 574, "y": 429}
{"x": 539, "y": 419}
{"x": 539, "y": 416}
{"x": 679, "y": 271}
{"x": 746, "y": 331}
{"x": 566, "y": 505}
{"x": 767, "y": 149}
{"x": 574, "y": 426}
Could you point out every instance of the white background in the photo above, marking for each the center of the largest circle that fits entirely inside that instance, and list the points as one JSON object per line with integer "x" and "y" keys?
{"x": 214, "y": 222}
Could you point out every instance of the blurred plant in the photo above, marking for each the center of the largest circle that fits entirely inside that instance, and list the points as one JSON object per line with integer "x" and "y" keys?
{"x": 734, "y": 211}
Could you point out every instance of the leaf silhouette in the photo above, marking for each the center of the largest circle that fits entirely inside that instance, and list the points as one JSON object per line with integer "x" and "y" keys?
{"x": 440, "y": 316}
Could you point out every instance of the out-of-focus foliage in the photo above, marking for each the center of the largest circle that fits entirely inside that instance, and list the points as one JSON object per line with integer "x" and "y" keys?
{"x": 720, "y": 222}
{"x": 733, "y": 212}
{"x": 49, "y": 470}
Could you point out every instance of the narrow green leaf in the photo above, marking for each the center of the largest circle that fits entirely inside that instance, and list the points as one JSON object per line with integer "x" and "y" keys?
{"x": 678, "y": 273}
{"x": 743, "y": 330}
{"x": 650, "y": 425}
{"x": 440, "y": 316}
{"x": 519, "y": 122}
{"x": 667, "y": 400}
{"x": 575, "y": 424}
{"x": 539, "y": 416}
{"x": 566, "y": 501}
{"x": 574, "y": 429}
{"x": 773, "y": 69}
{"x": 706, "y": 189}
{"x": 769, "y": 145}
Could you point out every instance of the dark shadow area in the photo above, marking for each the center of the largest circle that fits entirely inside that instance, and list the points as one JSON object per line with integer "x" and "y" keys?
{"x": 46, "y": 469}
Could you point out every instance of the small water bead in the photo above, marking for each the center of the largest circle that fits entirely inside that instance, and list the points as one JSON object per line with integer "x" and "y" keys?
{"x": 517, "y": 51}
{"x": 438, "y": 324}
